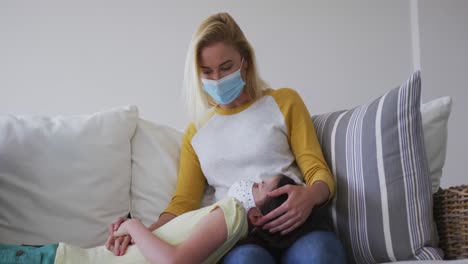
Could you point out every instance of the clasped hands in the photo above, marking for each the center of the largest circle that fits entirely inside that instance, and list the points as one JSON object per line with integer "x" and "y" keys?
{"x": 118, "y": 238}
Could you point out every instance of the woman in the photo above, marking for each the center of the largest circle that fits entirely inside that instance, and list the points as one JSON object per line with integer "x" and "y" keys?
{"x": 241, "y": 127}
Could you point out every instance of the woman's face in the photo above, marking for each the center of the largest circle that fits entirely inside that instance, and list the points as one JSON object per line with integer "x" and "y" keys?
{"x": 219, "y": 60}
{"x": 261, "y": 189}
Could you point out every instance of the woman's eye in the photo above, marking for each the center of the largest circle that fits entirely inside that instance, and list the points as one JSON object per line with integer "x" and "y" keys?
{"x": 226, "y": 69}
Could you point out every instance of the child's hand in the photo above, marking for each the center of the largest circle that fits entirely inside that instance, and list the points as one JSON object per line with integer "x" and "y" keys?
{"x": 124, "y": 227}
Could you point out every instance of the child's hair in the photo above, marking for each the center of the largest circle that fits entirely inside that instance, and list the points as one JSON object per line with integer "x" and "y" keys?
{"x": 271, "y": 203}
{"x": 275, "y": 242}
{"x": 264, "y": 237}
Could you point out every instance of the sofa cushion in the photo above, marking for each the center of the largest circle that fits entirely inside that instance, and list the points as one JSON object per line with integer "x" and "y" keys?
{"x": 64, "y": 178}
{"x": 382, "y": 209}
{"x": 435, "y": 115}
{"x": 155, "y": 161}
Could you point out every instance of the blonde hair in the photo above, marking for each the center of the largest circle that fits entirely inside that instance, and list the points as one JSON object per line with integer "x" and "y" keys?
{"x": 220, "y": 27}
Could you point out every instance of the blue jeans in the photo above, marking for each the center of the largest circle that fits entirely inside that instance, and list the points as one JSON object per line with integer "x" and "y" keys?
{"x": 314, "y": 247}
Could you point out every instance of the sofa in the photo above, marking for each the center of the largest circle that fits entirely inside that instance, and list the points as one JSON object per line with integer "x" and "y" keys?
{"x": 66, "y": 178}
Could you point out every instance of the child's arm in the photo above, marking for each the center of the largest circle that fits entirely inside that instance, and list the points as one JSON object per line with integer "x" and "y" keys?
{"x": 210, "y": 234}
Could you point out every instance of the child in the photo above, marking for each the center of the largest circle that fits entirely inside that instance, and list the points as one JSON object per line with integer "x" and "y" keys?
{"x": 187, "y": 239}
{"x": 203, "y": 235}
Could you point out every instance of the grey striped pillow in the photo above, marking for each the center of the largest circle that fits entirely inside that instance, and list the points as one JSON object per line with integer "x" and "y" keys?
{"x": 382, "y": 210}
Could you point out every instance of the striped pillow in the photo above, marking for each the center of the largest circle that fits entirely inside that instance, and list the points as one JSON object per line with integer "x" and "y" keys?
{"x": 382, "y": 210}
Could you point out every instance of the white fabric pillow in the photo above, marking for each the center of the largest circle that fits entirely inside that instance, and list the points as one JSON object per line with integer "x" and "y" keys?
{"x": 435, "y": 115}
{"x": 155, "y": 163}
{"x": 64, "y": 178}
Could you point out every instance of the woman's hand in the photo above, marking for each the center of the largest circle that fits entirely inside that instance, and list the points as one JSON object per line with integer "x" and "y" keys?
{"x": 118, "y": 244}
{"x": 295, "y": 210}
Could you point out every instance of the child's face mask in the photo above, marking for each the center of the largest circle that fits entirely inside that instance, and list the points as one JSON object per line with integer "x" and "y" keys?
{"x": 242, "y": 191}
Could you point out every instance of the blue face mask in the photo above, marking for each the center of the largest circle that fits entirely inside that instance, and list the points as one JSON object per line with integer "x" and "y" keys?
{"x": 225, "y": 90}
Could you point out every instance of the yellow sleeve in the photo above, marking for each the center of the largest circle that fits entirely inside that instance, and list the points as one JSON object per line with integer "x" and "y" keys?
{"x": 303, "y": 139}
{"x": 190, "y": 180}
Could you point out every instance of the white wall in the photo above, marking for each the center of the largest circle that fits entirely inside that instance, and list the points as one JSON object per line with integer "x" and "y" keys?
{"x": 443, "y": 27}
{"x": 83, "y": 56}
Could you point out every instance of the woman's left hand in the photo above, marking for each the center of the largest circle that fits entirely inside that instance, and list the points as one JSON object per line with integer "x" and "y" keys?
{"x": 295, "y": 210}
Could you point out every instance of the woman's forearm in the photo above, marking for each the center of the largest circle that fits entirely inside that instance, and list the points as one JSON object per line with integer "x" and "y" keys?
{"x": 319, "y": 192}
{"x": 150, "y": 246}
{"x": 162, "y": 220}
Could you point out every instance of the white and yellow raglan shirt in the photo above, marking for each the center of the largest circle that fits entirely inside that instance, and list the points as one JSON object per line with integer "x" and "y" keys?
{"x": 260, "y": 139}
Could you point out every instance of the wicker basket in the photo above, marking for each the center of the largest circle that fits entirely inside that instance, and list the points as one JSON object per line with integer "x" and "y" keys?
{"x": 451, "y": 216}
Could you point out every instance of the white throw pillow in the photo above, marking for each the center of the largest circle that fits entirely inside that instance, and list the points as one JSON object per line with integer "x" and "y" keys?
{"x": 64, "y": 178}
{"x": 435, "y": 115}
{"x": 155, "y": 163}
